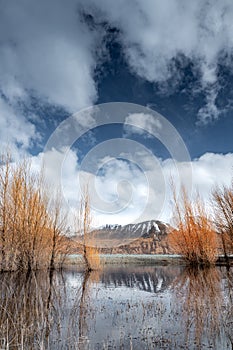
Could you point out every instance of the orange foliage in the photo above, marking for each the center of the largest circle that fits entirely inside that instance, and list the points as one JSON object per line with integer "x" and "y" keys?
{"x": 30, "y": 223}
{"x": 194, "y": 237}
{"x": 223, "y": 201}
{"x": 93, "y": 257}
{"x": 198, "y": 292}
{"x": 90, "y": 251}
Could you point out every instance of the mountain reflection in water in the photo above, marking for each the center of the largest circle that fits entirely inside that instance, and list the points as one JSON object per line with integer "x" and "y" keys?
{"x": 124, "y": 307}
{"x": 148, "y": 279}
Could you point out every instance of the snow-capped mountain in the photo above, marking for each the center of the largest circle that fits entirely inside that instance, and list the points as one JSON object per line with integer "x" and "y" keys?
{"x": 148, "y": 237}
{"x": 151, "y": 228}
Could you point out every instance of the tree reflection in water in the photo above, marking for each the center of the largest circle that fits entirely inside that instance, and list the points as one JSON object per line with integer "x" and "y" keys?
{"x": 90, "y": 277}
{"x": 162, "y": 307}
{"x": 24, "y": 310}
{"x": 228, "y": 320}
{"x": 31, "y": 308}
{"x": 199, "y": 294}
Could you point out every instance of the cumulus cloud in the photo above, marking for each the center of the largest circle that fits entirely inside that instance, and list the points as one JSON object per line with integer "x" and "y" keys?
{"x": 155, "y": 201}
{"x": 15, "y": 130}
{"x": 155, "y": 33}
{"x": 46, "y": 50}
{"x": 139, "y": 123}
{"x": 209, "y": 112}
{"x": 211, "y": 169}
{"x": 126, "y": 190}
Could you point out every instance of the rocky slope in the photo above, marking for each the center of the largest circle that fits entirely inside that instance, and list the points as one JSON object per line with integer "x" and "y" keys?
{"x": 148, "y": 237}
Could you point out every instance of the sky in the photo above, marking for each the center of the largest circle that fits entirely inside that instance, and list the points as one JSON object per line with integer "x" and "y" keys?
{"x": 122, "y": 94}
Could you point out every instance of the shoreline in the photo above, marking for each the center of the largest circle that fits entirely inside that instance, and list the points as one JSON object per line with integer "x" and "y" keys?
{"x": 139, "y": 259}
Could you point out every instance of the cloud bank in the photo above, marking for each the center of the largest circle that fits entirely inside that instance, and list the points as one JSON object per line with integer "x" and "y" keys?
{"x": 121, "y": 192}
{"x": 157, "y": 34}
{"x": 46, "y": 52}
{"x": 49, "y": 51}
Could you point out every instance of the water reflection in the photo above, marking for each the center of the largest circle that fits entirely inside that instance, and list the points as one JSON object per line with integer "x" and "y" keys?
{"x": 32, "y": 310}
{"x": 131, "y": 307}
{"x": 148, "y": 279}
{"x": 25, "y": 301}
{"x": 228, "y": 314}
{"x": 198, "y": 292}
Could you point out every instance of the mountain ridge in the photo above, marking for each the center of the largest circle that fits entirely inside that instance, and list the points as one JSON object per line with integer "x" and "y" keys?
{"x": 147, "y": 237}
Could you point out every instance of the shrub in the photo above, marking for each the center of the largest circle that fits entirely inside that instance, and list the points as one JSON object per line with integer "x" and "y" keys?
{"x": 194, "y": 237}
{"x": 223, "y": 204}
{"x": 90, "y": 251}
{"x": 198, "y": 294}
{"x": 30, "y": 222}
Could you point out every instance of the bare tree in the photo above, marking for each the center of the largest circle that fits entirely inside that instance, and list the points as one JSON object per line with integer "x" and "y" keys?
{"x": 223, "y": 205}
{"x": 90, "y": 252}
{"x": 4, "y": 212}
{"x": 58, "y": 220}
{"x": 194, "y": 237}
{"x": 31, "y": 224}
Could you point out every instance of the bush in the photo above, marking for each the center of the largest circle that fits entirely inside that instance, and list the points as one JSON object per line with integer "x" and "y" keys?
{"x": 194, "y": 237}
{"x": 223, "y": 204}
{"x": 30, "y": 222}
{"x": 90, "y": 251}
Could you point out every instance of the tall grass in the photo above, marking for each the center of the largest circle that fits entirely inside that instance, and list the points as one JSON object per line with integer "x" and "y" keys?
{"x": 198, "y": 293}
{"x": 31, "y": 224}
{"x": 23, "y": 310}
{"x": 194, "y": 237}
{"x": 223, "y": 205}
{"x": 90, "y": 250}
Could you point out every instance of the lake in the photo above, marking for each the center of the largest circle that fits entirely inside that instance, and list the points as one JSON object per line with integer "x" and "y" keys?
{"x": 121, "y": 307}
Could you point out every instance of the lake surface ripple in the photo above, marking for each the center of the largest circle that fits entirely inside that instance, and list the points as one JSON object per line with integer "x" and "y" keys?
{"x": 120, "y": 307}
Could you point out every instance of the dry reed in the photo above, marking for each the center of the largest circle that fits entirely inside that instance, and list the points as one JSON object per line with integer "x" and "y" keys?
{"x": 31, "y": 224}
{"x": 194, "y": 237}
{"x": 198, "y": 293}
{"x": 90, "y": 250}
{"x": 223, "y": 205}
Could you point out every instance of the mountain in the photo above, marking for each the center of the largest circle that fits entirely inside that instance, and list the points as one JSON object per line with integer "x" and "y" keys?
{"x": 133, "y": 231}
{"x": 148, "y": 237}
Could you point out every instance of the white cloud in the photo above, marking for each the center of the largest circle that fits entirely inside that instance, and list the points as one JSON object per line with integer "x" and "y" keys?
{"x": 137, "y": 189}
{"x": 45, "y": 49}
{"x": 154, "y": 33}
{"x": 48, "y": 51}
{"x": 209, "y": 112}
{"x": 15, "y": 131}
{"x": 208, "y": 171}
{"x": 211, "y": 169}
{"x": 142, "y": 124}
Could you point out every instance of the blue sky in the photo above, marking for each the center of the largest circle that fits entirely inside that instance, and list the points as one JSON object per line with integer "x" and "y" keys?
{"x": 176, "y": 58}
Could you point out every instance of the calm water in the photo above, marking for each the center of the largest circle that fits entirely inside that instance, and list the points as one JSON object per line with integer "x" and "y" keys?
{"x": 132, "y": 307}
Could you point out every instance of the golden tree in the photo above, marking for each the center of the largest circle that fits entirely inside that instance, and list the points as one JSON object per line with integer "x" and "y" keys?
{"x": 198, "y": 293}
{"x": 90, "y": 251}
{"x": 31, "y": 224}
{"x": 194, "y": 236}
{"x": 223, "y": 204}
